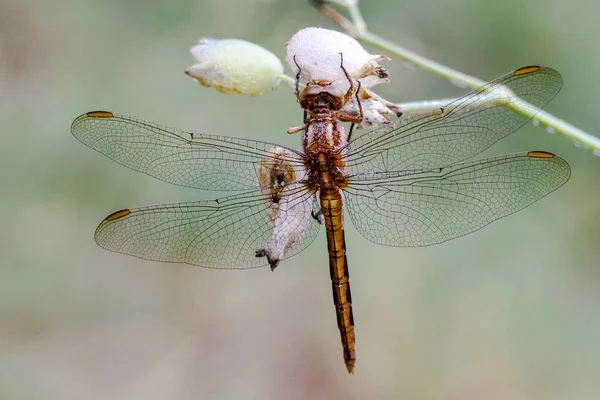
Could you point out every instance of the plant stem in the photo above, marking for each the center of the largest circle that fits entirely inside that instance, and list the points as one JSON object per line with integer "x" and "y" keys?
{"x": 357, "y": 28}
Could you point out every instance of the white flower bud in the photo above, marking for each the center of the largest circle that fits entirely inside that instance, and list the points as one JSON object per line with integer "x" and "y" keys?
{"x": 317, "y": 53}
{"x": 234, "y": 66}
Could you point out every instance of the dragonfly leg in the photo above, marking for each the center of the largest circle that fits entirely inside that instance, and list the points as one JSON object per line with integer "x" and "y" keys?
{"x": 296, "y": 129}
{"x": 342, "y": 116}
{"x": 350, "y": 132}
{"x": 360, "y": 109}
{"x": 351, "y": 91}
{"x": 297, "y": 87}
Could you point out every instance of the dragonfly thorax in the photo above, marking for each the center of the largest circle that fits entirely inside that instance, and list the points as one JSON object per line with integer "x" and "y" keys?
{"x": 323, "y": 140}
{"x": 323, "y": 134}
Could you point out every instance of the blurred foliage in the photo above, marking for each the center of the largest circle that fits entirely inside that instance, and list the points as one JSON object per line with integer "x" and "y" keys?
{"x": 509, "y": 312}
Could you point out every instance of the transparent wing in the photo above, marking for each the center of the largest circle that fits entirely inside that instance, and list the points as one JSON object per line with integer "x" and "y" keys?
{"x": 182, "y": 158}
{"x": 425, "y": 207}
{"x": 459, "y": 131}
{"x": 225, "y": 233}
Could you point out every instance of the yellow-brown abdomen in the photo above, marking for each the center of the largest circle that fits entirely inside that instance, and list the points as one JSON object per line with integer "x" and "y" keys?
{"x": 331, "y": 206}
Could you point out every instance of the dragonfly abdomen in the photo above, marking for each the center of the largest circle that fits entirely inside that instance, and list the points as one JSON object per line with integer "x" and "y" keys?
{"x": 331, "y": 206}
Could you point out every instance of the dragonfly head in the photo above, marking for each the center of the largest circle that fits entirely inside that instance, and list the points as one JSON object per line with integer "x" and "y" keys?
{"x": 319, "y": 94}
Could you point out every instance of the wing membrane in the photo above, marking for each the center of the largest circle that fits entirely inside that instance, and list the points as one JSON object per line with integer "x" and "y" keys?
{"x": 223, "y": 234}
{"x": 182, "y": 158}
{"x": 425, "y": 207}
{"x": 462, "y": 130}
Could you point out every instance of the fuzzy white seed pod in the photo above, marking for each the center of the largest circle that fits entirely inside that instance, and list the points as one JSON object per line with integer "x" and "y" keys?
{"x": 317, "y": 53}
{"x": 234, "y": 66}
{"x": 320, "y": 53}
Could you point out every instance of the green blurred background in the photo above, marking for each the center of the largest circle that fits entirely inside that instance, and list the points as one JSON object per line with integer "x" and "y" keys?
{"x": 510, "y": 312}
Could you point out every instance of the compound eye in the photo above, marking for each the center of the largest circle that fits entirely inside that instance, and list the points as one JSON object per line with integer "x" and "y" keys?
{"x": 308, "y": 94}
{"x": 311, "y": 90}
{"x": 335, "y": 91}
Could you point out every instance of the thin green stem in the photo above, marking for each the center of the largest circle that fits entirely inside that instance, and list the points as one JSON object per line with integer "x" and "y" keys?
{"x": 356, "y": 27}
{"x": 287, "y": 79}
{"x": 360, "y": 26}
{"x": 420, "y": 61}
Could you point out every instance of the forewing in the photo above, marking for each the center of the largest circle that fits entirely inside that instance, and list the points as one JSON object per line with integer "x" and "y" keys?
{"x": 182, "y": 158}
{"x": 459, "y": 131}
{"x": 223, "y": 234}
{"x": 425, "y": 207}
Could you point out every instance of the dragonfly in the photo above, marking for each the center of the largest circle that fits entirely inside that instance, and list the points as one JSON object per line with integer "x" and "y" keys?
{"x": 411, "y": 183}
